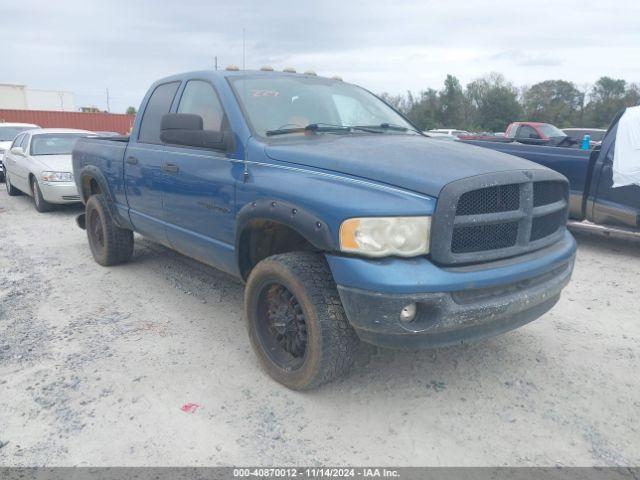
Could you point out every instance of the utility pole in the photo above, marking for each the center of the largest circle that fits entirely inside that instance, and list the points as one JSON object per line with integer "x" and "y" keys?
{"x": 61, "y": 95}
{"x": 243, "y": 64}
{"x": 108, "y": 106}
{"x": 215, "y": 62}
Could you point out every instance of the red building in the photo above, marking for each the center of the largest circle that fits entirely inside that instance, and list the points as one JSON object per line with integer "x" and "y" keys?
{"x": 95, "y": 122}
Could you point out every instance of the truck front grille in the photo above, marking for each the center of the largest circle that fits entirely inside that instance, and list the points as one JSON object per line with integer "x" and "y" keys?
{"x": 479, "y": 238}
{"x": 498, "y": 215}
{"x": 500, "y": 198}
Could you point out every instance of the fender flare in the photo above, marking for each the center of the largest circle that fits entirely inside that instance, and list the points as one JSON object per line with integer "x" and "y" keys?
{"x": 91, "y": 171}
{"x": 307, "y": 224}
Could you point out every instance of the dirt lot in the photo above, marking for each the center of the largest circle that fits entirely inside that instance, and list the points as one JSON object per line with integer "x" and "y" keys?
{"x": 149, "y": 364}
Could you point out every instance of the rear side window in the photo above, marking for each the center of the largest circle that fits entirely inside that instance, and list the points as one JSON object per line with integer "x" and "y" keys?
{"x": 159, "y": 104}
{"x": 199, "y": 98}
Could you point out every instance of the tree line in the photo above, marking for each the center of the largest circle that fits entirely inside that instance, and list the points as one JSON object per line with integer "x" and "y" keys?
{"x": 490, "y": 103}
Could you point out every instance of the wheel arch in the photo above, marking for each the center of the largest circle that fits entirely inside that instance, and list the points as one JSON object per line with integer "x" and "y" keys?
{"x": 269, "y": 226}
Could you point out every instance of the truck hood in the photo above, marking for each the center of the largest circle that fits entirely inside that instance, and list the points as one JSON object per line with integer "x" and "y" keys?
{"x": 410, "y": 162}
{"x": 54, "y": 163}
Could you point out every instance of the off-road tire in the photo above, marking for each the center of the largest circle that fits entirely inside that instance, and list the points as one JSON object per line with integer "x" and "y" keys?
{"x": 110, "y": 244}
{"x": 11, "y": 190}
{"x": 39, "y": 202}
{"x": 331, "y": 341}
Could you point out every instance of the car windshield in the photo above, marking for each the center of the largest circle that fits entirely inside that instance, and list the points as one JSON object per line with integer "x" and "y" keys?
{"x": 289, "y": 102}
{"x": 54, "y": 143}
{"x": 7, "y": 134}
{"x": 551, "y": 131}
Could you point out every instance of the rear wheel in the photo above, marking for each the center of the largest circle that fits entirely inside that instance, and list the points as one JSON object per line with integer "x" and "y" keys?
{"x": 11, "y": 190}
{"x": 296, "y": 322}
{"x": 110, "y": 244}
{"x": 41, "y": 204}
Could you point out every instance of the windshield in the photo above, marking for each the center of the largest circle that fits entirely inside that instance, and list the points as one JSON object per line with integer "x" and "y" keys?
{"x": 54, "y": 143}
{"x": 7, "y": 134}
{"x": 551, "y": 131}
{"x": 286, "y": 102}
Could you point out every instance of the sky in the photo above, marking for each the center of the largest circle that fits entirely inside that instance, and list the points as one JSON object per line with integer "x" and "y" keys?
{"x": 90, "y": 46}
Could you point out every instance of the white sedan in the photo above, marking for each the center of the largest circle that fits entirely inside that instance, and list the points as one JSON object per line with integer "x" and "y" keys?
{"x": 39, "y": 164}
{"x": 9, "y": 131}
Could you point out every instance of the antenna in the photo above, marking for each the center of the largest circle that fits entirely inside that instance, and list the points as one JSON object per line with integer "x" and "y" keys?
{"x": 243, "y": 50}
{"x": 215, "y": 62}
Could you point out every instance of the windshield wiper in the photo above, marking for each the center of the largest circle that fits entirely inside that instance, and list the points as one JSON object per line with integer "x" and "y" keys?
{"x": 388, "y": 126}
{"x": 312, "y": 127}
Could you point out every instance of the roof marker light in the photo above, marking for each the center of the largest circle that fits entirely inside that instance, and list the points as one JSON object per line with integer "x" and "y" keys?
{"x": 233, "y": 68}
{"x": 289, "y": 70}
{"x": 266, "y": 68}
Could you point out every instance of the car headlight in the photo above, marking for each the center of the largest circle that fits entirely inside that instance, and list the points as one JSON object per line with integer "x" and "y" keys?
{"x": 57, "y": 176}
{"x": 386, "y": 236}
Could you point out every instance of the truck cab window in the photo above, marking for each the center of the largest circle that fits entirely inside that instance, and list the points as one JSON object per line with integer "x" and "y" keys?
{"x": 158, "y": 105}
{"x": 199, "y": 98}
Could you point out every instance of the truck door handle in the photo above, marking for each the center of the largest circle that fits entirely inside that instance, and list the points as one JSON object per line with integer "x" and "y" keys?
{"x": 132, "y": 160}
{"x": 170, "y": 167}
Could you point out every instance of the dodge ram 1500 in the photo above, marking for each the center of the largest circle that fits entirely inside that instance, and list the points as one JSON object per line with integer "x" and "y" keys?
{"x": 345, "y": 222}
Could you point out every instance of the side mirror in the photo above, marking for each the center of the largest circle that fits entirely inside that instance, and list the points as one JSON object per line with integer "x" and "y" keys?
{"x": 186, "y": 129}
{"x": 17, "y": 151}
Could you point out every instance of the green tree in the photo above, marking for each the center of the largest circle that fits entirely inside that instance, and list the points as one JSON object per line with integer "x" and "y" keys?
{"x": 425, "y": 111}
{"x": 553, "y": 101}
{"x": 452, "y": 103}
{"x": 606, "y": 99}
{"x": 492, "y": 103}
{"x": 131, "y": 111}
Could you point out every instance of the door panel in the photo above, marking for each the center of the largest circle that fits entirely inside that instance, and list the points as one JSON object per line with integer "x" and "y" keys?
{"x": 199, "y": 204}
{"x": 199, "y": 194}
{"x": 21, "y": 167}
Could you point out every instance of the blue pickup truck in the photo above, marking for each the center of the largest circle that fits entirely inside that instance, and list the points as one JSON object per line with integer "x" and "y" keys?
{"x": 595, "y": 204}
{"x": 345, "y": 222}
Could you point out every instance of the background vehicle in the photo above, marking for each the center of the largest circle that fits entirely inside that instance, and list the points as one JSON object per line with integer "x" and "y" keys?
{"x": 8, "y": 132}
{"x": 593, "y": 197}
{"x": 536, "y": 133}
{"x": 447, "y": 131}
{"x": 39, "y": 164}
{"x": 344, "y": 221}
{"x": 577, "y": 135}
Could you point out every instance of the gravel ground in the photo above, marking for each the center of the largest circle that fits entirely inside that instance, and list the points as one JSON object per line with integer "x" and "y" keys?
{"x": 149, "y": 364}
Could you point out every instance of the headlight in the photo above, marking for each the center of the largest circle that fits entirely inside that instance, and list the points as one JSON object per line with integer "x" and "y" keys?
{"x": 386, "y": 236}
{"x": 57, "y": 176}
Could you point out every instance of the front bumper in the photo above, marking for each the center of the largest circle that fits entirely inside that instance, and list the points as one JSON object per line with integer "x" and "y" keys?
{"x": 454, "y": 304}
{"x": 59, "y": 192}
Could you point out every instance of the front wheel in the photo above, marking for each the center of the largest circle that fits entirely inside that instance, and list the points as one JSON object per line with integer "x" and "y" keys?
{"x": 110, "y": 244}
{"x": 38, "y": 200}
{"x": 296, "y": 322}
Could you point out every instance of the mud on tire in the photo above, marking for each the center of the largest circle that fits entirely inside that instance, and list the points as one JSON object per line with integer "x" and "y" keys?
{"x": 110, "y": 244}
{"x": 296, "y": 322}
